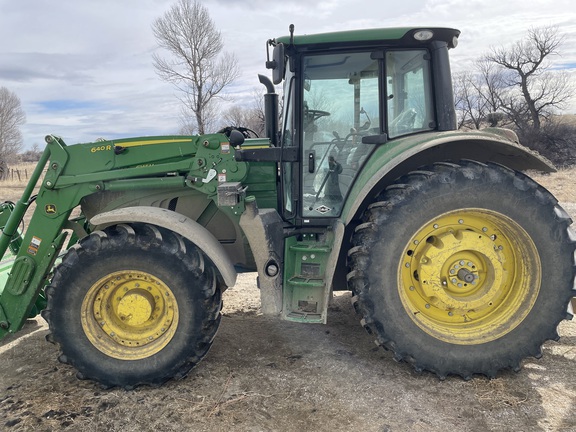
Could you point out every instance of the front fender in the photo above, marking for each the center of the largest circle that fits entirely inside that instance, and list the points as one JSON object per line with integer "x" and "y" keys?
{"x": 178, "y": 223}
{"x": 396, "y": 158}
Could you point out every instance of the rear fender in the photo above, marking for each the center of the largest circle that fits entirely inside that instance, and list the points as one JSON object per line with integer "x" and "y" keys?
{"x": 396, "y": 158}
{"x": 178, "y": 223}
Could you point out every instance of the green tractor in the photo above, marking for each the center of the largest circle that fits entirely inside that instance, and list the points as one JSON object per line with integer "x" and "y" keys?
{"x": 458, "y": 263}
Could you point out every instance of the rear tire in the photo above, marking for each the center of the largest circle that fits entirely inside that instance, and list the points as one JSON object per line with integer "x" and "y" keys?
{"x": 133, "y": 304}
{"x": 463, "y": 269}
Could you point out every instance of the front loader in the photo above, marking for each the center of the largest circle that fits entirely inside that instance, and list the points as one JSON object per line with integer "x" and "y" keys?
{"x": 458, "y": 263}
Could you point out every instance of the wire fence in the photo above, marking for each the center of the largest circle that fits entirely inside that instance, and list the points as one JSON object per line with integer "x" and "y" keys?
{"x": 14, "y": 175}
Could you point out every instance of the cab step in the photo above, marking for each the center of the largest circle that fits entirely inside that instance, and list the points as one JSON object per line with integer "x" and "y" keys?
{"x": 305, "y": 286}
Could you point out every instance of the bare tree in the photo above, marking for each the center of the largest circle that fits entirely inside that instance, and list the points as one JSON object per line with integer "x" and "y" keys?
{"x": 240, "y": 117}
{"x": 490, "y": 83}
{"x": 529, "y": 90}
{"x": 197, "y": 66}
{"x": 189, "y": 124}
{"x": 250, "y": 115}
{"x": 32, "y": 155}
{"x": 477, "y": 96}
{"x": 236, "y": 116}
{"x": 258, "y": 111}
{"x": 470, "y": 103}
{"x": 11, "y": 118}
{"x": 187, "y": 127}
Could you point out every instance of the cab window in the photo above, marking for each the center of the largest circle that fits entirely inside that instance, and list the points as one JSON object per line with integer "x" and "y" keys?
{"x": 408, "y": 92}
{"x": 340, "y": 106}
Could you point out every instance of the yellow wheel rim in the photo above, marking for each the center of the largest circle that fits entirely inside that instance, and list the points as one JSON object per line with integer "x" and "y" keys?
{"x": 469, "y": 276}
{"x": 129, "y": 315}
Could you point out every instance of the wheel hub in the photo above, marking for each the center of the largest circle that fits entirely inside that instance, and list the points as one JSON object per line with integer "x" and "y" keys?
{"x": 458, "y": 269}
{"x": 136, "y": 308}
{"x": 467, "y": 274}
{"x": 129, "y": 314}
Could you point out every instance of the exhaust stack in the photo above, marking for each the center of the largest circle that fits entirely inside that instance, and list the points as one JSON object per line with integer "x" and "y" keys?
{"x": 270, "y": 110}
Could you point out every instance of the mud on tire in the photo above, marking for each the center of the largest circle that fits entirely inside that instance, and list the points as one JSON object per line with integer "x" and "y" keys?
{"x": 463, "y": 269}
{"x": 133, "y": 304}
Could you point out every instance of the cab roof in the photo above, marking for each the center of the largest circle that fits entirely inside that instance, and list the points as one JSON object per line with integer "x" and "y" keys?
{"x": 400, "y": 36}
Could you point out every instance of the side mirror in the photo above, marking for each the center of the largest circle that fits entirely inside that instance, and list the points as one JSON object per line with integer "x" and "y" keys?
{"x": 278, "y": 64}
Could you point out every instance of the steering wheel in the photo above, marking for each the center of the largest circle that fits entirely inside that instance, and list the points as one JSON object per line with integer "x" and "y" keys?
{"x": 312, "y": 115}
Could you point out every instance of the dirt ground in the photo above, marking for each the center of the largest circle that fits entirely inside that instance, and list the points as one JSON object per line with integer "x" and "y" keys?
{"x": 267, "y": 375}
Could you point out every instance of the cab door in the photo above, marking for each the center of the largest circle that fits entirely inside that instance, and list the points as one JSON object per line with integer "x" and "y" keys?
{"x": 341, "y": 104}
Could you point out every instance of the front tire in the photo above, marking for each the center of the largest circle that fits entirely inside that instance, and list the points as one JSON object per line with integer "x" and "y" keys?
{"x": 463, "y": 269}
{"x": 133, "y": 304}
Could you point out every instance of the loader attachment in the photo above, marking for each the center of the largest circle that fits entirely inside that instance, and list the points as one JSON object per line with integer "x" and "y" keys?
{"x": 7, "y": 260}
{"x": 6, "y": 210}
{"x": 5, "y": 269}
{"x": 5, "y": 266}
{"x": 27, "y": 260}
{"x": 188, "y": 164}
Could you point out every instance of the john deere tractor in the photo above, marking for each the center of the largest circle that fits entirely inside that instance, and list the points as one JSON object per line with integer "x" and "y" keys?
{"x": 458, "y": 263}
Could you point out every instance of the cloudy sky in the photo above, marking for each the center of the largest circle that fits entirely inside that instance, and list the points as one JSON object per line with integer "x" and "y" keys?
{"x": 83, "y": 69}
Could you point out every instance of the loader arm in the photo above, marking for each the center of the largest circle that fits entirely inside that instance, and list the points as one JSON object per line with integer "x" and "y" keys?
{"x": 32, "y": 262}
{"x": 74, "y": 172}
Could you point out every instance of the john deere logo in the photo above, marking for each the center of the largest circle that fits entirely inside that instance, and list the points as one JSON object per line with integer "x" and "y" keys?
{"x": 50, "y": 209}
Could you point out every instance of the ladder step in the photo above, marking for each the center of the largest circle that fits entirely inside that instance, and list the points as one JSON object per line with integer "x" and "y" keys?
{"x": 304, "y": 317}
{"x": 310, "y": 248}
{"x": 303, "y": 281}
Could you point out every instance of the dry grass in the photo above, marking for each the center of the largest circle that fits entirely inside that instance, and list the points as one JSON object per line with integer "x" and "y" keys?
{"x": 12, "y": 189}
{"x": 497, "y": 393}
{"x": 561, "y": 184}
{"x": 18, "y": 177}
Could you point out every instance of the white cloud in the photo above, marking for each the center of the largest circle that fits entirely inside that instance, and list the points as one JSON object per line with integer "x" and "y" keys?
{"x": 98, "y": 54}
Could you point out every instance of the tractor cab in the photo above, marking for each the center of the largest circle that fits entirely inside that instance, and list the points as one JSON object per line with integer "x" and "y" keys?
{"x": 343, "y": 98}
